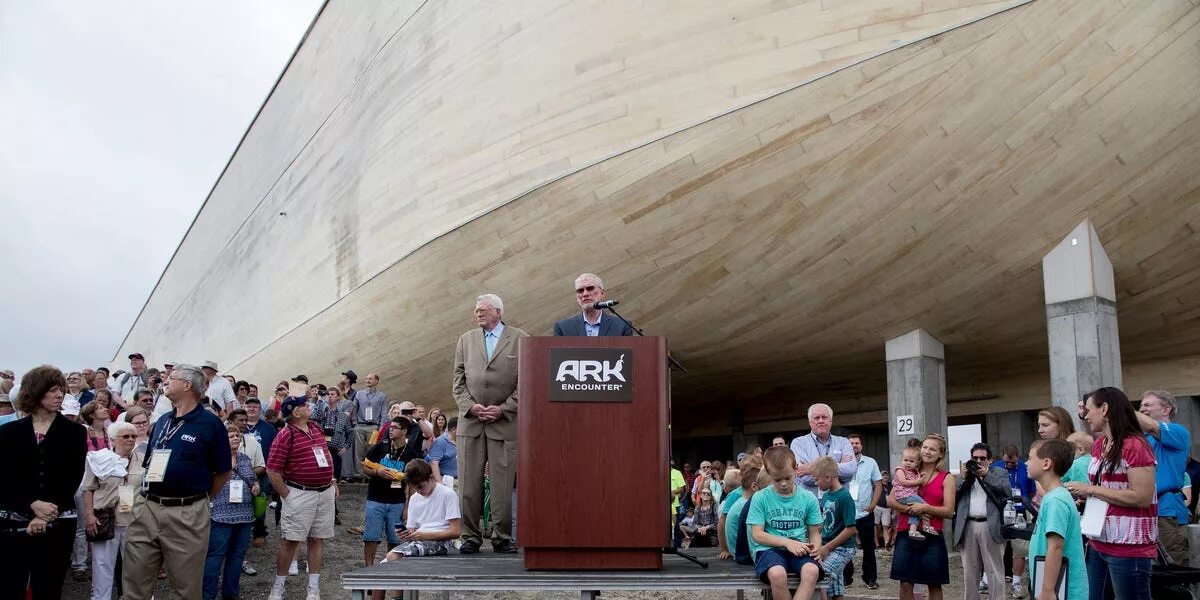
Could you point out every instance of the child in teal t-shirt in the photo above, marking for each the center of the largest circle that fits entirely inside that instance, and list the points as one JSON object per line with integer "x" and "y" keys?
{"x": 1083, "y": 453}
{"x": 731, "y": 516}
{"x": 839, "y": 526}
{"x": 785, "y": 527}
{"x": 733, "y": 481}
{"x": 1056, "y": 538}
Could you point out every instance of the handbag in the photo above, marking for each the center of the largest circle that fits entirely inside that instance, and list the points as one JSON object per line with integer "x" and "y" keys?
{"x": 260, "y": 506}
{"x": 106, "y": 528}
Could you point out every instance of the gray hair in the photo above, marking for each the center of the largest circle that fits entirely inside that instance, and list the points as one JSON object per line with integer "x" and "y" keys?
{"x": 1167, "y": 398}
{"x": 593, "y": 277}
{"x": 820, "y": 405}
{"x": 116, "y": 428}
{"x": 492, "y": 299}
{"x": 193, "y": 375}
{"x": 733, "y": 478}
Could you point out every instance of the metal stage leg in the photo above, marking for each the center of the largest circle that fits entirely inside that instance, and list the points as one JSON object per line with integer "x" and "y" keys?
{"x": 358, "y": 595}
{"x": 741, "y": 595}
{"x": 445, "y": 594}
{"x": 589, "y": 594}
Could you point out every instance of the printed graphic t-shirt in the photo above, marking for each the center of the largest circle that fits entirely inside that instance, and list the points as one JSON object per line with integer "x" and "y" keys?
{"x": 784, "y": 516}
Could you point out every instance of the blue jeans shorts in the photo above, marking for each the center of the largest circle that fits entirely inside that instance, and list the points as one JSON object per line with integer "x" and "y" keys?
{"x": 791, "y": 563}
{"x": 379, "y": 518}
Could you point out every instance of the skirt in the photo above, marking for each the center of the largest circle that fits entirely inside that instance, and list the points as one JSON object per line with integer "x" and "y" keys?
{"x": 924, "y": 562}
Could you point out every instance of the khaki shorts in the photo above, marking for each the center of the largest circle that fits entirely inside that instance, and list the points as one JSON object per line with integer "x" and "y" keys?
{"x": 1020, "y": 548}
{"x": 883, "y": 516}
{"x": 307, "y": 514}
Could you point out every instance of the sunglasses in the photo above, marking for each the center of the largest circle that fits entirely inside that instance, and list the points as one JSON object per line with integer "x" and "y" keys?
{"x": 128, "y": 437}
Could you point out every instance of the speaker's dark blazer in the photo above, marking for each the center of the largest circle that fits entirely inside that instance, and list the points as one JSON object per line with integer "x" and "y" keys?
{"x": 610, "y": 326}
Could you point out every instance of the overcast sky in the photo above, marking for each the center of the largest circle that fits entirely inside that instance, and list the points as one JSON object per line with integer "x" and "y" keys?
{"x": 115, "y": 120}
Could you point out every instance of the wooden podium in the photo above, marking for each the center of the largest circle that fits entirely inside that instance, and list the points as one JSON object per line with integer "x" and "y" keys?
{"x": 593, "y": 452}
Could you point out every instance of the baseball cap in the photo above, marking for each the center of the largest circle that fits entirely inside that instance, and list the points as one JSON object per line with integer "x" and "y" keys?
{"x": 137, "y": 355}
{"x": 301, "y": 377}
{"x": 70, "y": 407}
{"x": 351, "y": 375}
{"x": 406, "y": 405}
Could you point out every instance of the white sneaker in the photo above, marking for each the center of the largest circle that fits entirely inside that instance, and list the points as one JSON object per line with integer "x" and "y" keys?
{"x": 293, "y": 569}
{"x": 248, "y": 569}
{"x": 276, "y": 593}
{"x": 1016, "y": 588}
{"x": 313, "y": 594}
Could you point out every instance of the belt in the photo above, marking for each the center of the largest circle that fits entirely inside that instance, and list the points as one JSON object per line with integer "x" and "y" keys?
{"x": 308, "y": 488}
{"x": 978, "y": 519}
{"x": 174, "y": 500}
{"x": 366, "y": 423}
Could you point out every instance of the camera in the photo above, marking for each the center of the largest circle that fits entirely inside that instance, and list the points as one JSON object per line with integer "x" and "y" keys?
{"x": 408, "y": 413}
{"x": 972, "y": 466}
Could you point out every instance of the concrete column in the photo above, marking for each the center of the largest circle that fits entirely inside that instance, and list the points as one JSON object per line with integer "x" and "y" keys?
{"x": 916, "y": 387}
{"x": 1081, "y": 318}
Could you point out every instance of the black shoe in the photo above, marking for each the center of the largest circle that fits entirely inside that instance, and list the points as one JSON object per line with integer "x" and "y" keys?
{"x": 337, "y": 520}
{"x": 505, "y": 547}
{"x": 872, "y": 586}
{"x": 469, "y": 547}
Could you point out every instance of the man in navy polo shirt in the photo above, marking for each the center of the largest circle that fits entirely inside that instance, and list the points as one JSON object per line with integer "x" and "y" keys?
{"x": 187, "y": 461}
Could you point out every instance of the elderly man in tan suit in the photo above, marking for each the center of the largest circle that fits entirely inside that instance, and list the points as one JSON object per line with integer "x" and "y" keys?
{"x": 485, "y": 388}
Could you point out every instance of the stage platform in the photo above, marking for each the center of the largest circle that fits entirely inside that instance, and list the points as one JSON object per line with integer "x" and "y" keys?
{"x": 506, "y": 572}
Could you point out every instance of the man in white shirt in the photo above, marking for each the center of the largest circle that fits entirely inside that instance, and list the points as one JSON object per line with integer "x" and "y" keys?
{"x": 129, "y": 383}
{"x": 219, "y": 390}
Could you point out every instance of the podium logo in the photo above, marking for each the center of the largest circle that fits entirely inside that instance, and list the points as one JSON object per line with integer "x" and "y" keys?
{"x": 591, "y": 375}
{"x": 581, "y": 370}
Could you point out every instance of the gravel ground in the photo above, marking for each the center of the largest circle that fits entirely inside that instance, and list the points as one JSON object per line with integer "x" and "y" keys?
{"x": 344, "y": 553}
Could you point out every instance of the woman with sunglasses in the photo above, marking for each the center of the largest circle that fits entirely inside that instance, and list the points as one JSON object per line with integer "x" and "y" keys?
{"x": 704, "y": 525}
{"x": 140, "y": 419}
{"x": 110, "y": 496}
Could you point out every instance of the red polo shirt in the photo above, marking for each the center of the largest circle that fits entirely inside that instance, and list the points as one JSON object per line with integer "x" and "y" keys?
{"x": 293, "y": 455}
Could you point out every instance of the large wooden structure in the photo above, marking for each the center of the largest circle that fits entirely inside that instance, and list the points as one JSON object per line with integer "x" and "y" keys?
{"x": 776, "y": 186}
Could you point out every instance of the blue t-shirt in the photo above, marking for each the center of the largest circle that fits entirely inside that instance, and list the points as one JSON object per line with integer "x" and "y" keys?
{"x": 199, "y": 446}
{"x": 733, "y": 520}
{"x": 837, "y": 513}
{"x": 784, "y": 516}
{"x": 264, "y": 433}
{"x": 445, "y": 453}
{"x": 729, "y": 500}
{"x": 1171, "y": 451}
{"x": 1059, "y": 516}
{"x": 1079, "y": 470}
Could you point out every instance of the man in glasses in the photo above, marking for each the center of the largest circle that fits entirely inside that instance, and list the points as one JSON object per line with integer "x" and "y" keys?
{"x": 589, "y": 289}
{"x": 982, "y": 493}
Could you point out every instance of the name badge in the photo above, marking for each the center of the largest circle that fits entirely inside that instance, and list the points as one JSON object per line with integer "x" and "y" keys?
{"x": 397, "y": 484}
{"x": 1092, "y": 522}
{"x": 125, "y": 498}
{"x": 236, "y": 489}
{"x": 158, "y": 466}
{"x": 321, "y": 460}
{"x": 854, "y": 490}
{"x": 369, "y": 412}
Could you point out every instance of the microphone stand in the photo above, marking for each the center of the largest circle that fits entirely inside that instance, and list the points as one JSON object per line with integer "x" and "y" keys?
{"x": 674, "y": 363}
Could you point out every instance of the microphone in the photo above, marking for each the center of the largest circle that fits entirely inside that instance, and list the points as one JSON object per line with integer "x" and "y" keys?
{"x": 605, "y": 304}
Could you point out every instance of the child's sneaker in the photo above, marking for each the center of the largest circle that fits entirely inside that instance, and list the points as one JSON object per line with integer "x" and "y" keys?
{"x": 916, "y": 535}
{"x": 930, "y": 530}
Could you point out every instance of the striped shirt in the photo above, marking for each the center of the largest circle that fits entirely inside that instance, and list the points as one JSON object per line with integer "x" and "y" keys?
{"x": 1129, "y": 532}
{"x": 293, "y": 455}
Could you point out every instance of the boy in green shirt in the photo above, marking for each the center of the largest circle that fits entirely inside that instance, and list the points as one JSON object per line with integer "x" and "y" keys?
{"x": 733, "y": 481}
{"x": 1056, "y": 539}
{"x": 731, "y": 520}
{"x": 785, "y": 528}
{"x": 839, "y": 527}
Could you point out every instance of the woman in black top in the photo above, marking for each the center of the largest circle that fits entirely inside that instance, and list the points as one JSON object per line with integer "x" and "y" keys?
{"x": 37, "y": 503}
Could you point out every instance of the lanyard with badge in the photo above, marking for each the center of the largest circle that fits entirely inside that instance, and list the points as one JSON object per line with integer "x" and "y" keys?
{"x": 318, "y": 451}
{"x": 161, "y": 456}
{"x": 125, "y": 491}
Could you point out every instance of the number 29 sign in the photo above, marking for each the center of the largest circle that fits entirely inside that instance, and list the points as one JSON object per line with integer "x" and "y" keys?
{"x": 904, "y": 425}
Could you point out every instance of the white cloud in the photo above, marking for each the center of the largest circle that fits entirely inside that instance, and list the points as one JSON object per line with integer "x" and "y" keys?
{"x": 117, "y": 118}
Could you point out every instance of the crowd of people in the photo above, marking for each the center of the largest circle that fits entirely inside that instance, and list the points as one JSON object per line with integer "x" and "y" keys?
{"x": 133, "y": 474}
{"x": 1092, "y": 509}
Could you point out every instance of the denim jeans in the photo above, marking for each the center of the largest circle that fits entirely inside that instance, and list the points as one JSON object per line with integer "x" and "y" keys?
{"x": 226, "y": 550}
{"x": 1127, "y": 577}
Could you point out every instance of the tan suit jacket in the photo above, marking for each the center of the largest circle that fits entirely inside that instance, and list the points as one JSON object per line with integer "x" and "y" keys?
{"x": 478, "y": 380}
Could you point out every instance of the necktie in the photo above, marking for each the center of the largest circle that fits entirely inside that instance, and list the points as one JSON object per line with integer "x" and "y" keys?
{"x": 489, "y": 341}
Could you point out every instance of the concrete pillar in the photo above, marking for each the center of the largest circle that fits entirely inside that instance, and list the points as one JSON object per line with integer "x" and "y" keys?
{"x": 916, "y": 388}
{"x": 1081, "y": 318}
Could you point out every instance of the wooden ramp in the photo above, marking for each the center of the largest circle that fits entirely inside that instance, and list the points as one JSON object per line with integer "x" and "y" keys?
{"x": 506, "y": 572}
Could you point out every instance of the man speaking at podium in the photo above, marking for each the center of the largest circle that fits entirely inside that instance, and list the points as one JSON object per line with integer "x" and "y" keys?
{"x": 592, "y": 322}
{"x": 485, "y": 389}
